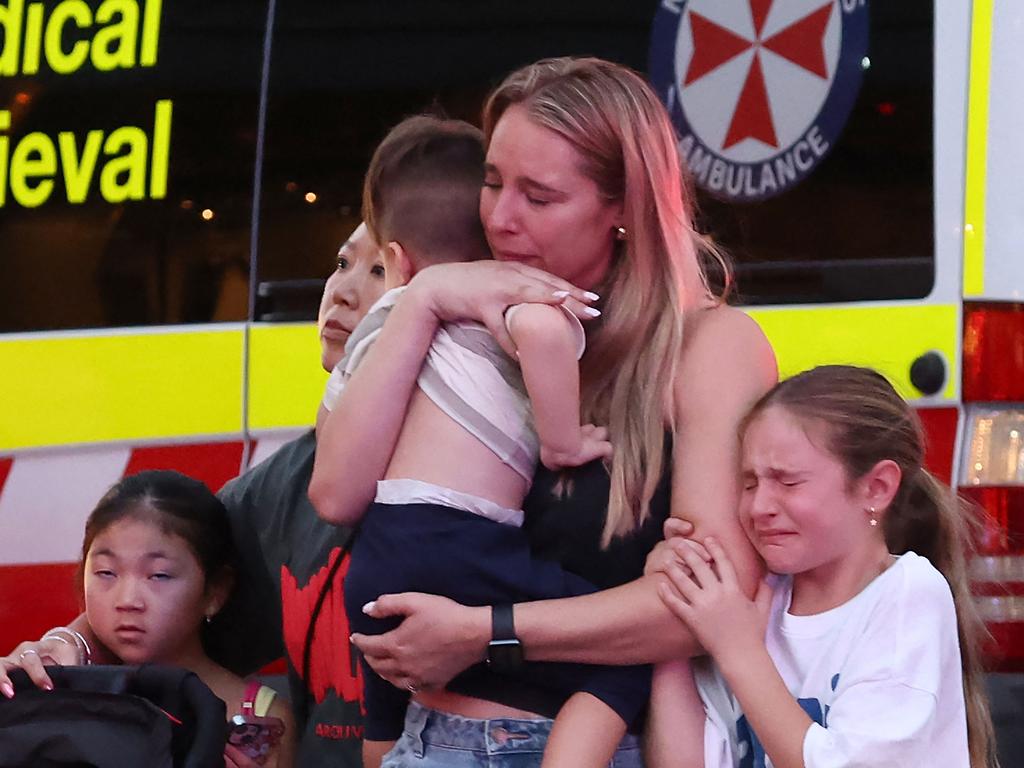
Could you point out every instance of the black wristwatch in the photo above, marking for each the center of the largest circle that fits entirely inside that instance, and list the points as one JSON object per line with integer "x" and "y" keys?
{"x": 504, "y": 652}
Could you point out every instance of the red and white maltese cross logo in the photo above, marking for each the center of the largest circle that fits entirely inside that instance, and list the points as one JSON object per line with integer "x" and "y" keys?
{"x": 754, "y": 74}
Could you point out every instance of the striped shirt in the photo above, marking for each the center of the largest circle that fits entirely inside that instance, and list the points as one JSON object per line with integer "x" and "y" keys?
{"x": 468, "y": 376}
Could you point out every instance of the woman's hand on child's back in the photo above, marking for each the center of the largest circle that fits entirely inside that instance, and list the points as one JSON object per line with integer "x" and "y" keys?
{"x": 593, "y": 444}
{"x": 707, "y": 597}
{"x": 437, "y": 639}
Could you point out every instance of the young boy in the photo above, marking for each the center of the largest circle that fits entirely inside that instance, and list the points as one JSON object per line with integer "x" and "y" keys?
{"x": 446, "y": 516}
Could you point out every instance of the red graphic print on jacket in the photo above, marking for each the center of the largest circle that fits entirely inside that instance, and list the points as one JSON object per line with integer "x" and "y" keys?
{"x": 331, "y": 664}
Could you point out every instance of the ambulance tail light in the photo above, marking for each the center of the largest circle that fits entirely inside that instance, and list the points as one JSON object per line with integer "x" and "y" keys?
{"x": 997, "y": 573}
{"x": 992, "y": 474}
{"x": 993, "y": 452}
{"x": 993, "y": 353}
{"x": 991, "y": 470}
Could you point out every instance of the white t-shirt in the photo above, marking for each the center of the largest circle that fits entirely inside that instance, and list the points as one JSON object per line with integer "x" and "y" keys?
{"x": 880, "y": 676}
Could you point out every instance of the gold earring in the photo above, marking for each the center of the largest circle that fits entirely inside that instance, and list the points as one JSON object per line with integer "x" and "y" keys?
{"x": 872, "y": 522}
{"x": 620, "y": 233}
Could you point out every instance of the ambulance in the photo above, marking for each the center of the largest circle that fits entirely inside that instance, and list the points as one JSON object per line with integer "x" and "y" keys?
{"x": 174, "y": 178}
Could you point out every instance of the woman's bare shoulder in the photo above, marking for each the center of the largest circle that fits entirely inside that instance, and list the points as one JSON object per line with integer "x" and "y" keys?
{"x": 725, "y": 351}
{"x": 717, "y": 332}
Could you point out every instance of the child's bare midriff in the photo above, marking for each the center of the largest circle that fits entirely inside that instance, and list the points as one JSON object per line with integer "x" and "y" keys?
{"x": 467, "y": 706}
{"x": 434, "y": 448}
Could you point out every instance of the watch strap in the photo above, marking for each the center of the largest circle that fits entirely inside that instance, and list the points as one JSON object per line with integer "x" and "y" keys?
{"x": 503, "y": 625}
{"x": 504, "y": 652}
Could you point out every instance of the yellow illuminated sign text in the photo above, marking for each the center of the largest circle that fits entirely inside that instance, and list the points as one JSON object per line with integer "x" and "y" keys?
{"x": 125, "y": 163}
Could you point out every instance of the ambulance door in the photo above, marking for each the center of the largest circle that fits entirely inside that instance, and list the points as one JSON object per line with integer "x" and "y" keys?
{"x": 127, "y": 145}
{"x": 311, "y": 177}
{"x": 826, "y": 141}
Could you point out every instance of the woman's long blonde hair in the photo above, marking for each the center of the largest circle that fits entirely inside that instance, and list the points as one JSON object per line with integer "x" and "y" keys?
{"x": 628, "y": 148}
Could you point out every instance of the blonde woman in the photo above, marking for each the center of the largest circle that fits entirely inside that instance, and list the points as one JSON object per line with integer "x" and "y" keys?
{"x": 582, "y": 185}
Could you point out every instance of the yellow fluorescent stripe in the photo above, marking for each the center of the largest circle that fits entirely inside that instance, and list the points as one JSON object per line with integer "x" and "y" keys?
{"x": 977, "y": 149}
{"x": 146, "y": 385}
{"x": 285, "y": 386}
{"x": 122, "y": 386}
{"x": 285, "y": 383}
{"x": 887, "y": 338}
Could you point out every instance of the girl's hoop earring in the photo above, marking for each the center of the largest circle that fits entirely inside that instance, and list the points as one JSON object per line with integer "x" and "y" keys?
{"x": 620, "y": 233}
{"x": 873, "y": 522}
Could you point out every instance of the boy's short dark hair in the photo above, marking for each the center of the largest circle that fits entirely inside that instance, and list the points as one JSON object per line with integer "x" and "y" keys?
{"x": 422, "y": 189}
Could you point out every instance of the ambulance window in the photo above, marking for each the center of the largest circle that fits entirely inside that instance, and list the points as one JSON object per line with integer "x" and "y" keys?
{"x": 859, "y": 224}
{"x": 127, "y": 152}
{"x": 854, "y": 223}
{"x": 126, "y": 162}
{"x": 338, "y": 85}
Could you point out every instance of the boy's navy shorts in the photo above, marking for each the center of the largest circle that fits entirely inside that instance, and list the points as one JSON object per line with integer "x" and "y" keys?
{"x": 474, "y": 561}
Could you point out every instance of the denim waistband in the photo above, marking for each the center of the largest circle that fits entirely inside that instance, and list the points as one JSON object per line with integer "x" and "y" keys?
{"x": 495, "y": 736}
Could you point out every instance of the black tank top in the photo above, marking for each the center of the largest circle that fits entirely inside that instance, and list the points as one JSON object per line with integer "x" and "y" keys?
{"x": 568, "y": 529}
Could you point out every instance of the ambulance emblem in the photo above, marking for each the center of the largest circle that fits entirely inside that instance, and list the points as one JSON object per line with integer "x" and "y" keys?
{"x": 759, "y": 90}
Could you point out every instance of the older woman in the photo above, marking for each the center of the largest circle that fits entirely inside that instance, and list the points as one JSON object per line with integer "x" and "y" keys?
{"x": 582, "y": 184}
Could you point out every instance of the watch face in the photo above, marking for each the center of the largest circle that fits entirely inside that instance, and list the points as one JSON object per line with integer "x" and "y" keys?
{"x": 504, "y": 655}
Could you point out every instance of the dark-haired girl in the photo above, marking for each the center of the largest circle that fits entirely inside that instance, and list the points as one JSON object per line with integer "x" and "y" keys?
{"x": 156, "y": 568}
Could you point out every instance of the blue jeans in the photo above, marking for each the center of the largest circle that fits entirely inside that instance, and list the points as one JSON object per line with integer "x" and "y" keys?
{"x": 433, "y": 739}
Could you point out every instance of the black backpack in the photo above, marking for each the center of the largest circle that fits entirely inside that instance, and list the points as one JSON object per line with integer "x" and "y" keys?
{"x": 112, "y": 717}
